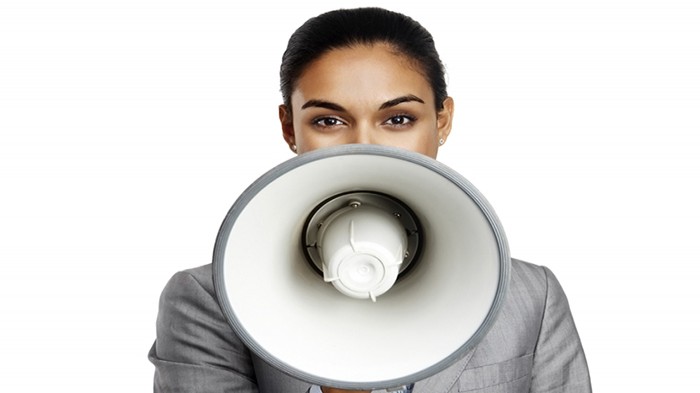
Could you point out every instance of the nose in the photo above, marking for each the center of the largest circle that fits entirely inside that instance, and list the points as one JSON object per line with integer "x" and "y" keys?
{"x": 363, "y": 134}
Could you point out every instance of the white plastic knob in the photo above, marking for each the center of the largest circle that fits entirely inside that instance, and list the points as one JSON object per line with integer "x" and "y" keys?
{"x": 362, "y": 248}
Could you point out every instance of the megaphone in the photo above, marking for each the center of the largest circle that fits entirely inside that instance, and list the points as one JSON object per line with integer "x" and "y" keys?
{"x": 361, "y": 267}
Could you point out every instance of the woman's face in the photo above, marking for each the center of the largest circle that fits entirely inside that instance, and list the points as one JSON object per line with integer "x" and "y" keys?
{"x": 364, "y": 94}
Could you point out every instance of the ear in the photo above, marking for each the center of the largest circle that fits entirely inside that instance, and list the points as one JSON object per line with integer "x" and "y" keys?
{"x": 285, "y": 115}
{"x": 444, "y": 119}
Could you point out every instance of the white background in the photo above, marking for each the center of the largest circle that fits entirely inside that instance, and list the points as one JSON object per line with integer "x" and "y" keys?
{"x": 128, "y": 128}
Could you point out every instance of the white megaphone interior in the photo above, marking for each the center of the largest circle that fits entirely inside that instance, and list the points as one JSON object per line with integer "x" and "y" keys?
{"x": 304, "y": 326}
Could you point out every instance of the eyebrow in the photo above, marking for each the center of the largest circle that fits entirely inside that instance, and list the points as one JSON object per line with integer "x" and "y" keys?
{"x": 336, "y": 107}
{"x": 323, "y": 104}
{"x": 399, "y": 100}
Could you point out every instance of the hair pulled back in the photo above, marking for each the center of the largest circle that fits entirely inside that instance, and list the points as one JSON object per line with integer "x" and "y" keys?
{"x": 345, "y": 28}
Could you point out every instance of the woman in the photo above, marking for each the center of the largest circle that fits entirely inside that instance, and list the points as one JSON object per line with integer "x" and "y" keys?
{"x": 369, "y": 76}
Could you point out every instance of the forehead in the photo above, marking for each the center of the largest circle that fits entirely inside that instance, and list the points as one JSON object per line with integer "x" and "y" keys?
{"x": 367, "y": 73}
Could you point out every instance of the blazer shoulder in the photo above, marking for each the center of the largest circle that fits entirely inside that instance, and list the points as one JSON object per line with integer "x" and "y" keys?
{"x": 516, "y": 329}
{"x": 199, "y": 278}
{"x": 528, "y": 279}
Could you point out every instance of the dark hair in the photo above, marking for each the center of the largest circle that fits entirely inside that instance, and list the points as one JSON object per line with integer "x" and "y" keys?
{"x": 348, "y": 27}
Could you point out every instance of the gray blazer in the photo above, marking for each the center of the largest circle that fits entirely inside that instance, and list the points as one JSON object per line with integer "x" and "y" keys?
{"x": 532, "y": 347}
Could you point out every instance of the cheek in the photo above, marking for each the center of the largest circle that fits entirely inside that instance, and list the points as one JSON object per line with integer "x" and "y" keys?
{"x": 427, "y": 147}
{"x": 303, "y": 139}
{"x": 420, "y": 142}
{"x": 308, "y": 140}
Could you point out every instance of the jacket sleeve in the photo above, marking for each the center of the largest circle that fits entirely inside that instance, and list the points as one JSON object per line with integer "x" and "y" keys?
{"x": 195, "y": 350}
{"x": 559, "y": 361}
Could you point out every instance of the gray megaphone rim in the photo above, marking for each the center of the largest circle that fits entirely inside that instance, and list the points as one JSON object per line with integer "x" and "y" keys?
{"x": 360, "y": 149}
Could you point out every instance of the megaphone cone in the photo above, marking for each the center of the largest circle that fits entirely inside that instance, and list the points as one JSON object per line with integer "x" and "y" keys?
{"x": 361, "y": 267}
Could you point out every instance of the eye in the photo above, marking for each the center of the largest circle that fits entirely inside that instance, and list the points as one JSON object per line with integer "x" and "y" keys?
{"x": 400, "y": 120}
{"x": 327, "y": 122}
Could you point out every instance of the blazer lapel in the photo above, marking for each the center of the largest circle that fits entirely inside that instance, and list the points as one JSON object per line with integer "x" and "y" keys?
{"x": 443, "y": 381}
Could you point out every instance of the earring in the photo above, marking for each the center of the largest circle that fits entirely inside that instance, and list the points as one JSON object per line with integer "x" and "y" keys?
{"x": 441, "y": 141}
{"x": 293, "y": 147}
